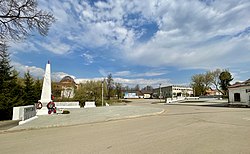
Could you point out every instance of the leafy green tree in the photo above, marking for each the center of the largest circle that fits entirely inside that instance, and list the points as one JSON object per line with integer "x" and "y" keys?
{"x": 208, "y": 79}
{"x": 148, "y": 88}
{"x": 38, "y": 89}
{"x": 56, "y": 91}
{"x": 137, "y": 87}
{"x": 110, "y": 85}
{"x": 118, "y": 90}
{"x": 30, "y": 96}
{"x": 216, "y": 80}
{"x": 225, "y": 79}
{"x": 198, "y": 84}
{"x": 5, "y": 68}
{"x": 126, "y": 88}
{"x": 10, "y": 91}
{"x": 89, "y": 91}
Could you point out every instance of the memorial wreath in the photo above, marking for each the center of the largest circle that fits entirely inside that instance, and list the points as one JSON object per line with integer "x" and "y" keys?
{"x": 39, "y": 105}
{"x": 51, "y": 107}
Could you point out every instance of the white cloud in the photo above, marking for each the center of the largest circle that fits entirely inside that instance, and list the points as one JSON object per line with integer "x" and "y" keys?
{"x": 143, "y": 82}
{"x": 56, "y": 46}
{"x": 88, "y": 58}
{"x": 149, "y": 74}
{"x": 145, "y": 74}
{"x": 132, "y": 82}
{"x": 38, "y": 72}
{"x": 184, "y": 30}
{"x": 183, "y": 27}
{"x": 57, "y": 76}
{"x": 34, "y": 71}
{"x": 190, "y": 34}
{"x": 122, "y": 73}
{"x": 103, "y": 72}
{"x": 16, "y": 47}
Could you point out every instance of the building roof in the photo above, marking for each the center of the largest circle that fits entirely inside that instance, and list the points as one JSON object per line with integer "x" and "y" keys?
{"x": 67, "y": 79}
{"x": 240, "y": 84}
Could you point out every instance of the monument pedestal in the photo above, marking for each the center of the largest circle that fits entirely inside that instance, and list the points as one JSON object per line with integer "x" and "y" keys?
{"x": 42, "y": 111}
{"x": 89, "y": 104}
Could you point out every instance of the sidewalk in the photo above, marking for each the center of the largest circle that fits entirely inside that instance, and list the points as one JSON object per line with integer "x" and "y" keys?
{"x": 88, "y": 115}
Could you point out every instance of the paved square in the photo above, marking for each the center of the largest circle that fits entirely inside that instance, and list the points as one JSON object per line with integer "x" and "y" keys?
{"x": 181, "y": 129}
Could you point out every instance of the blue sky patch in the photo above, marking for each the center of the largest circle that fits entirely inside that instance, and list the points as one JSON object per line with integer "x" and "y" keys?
{"x": 139, "y": 43}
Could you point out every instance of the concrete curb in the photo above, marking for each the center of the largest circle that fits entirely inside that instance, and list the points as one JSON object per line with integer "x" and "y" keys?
{"x": 28, "y": 120}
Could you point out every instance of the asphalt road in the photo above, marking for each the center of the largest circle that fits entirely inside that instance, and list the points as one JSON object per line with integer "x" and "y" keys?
{"x": 180, "y": 129}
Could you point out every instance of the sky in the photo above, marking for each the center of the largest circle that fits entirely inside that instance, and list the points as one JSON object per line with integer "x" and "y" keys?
{"x": 147, "y": 42}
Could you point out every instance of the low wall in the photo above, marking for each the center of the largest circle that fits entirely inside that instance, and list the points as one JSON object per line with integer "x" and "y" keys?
{"x": 23, "y": 112}
{"x": 67, "y": 104}
{"x": 89, "y": 104}
{"x": 175, "y": 99}
{"x": 192, "y": 98}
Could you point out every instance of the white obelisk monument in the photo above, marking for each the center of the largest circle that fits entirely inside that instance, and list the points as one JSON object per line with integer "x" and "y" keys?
{"x": 46, "y": 92}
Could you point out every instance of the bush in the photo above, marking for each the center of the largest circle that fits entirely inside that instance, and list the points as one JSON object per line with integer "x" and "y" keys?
{"x": 65, "y": 112}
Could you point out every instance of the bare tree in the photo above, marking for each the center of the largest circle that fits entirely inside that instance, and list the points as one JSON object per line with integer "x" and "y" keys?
{"x": 208, "y": 79}
{"x": 19, "y": 17}
{"x": 137, "y": 87}
{"x": 216, "y": 80}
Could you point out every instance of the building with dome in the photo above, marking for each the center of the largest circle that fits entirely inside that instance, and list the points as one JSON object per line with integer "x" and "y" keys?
{"x": 67, "y": 87}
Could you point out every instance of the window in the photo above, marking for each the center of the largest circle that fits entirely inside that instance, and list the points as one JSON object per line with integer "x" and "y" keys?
{"x": 237, "y": 97}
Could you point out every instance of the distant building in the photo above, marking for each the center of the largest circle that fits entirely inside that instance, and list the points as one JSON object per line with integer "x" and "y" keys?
{"x": 173, "y": 91}
{"x": 129, "y": 95}
{"x": 147, "y": 93}
{"x": 67, "y": 86}
{"x": 239, "y": 93}
{"x": 137, "y": 94}
{"x": 213, "y": 92}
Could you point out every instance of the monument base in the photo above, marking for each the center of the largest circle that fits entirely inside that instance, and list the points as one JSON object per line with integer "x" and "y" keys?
{"x": 89, "y": 104}
{"x": 42, "y": 111}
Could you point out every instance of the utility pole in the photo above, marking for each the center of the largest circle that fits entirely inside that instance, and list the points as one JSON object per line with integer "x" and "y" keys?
{"x": 102, "y": 92}
{"x": 160, "y": 91}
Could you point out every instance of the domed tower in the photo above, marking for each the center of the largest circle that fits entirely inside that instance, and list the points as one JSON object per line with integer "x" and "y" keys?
{"x": 67, "y": 80}
{"x": 68, "y": 87}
